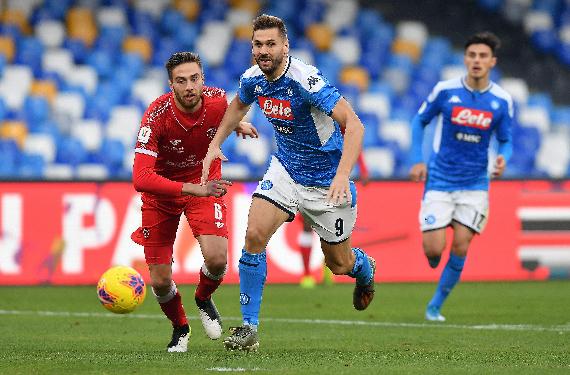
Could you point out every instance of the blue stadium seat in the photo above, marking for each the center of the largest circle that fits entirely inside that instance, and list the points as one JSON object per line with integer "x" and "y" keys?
{"x": 238, "y": 58}
{"x": 170, "y": 21}
{"x": 36, "y": 110}
{"x": 544, "y": 40}
{"x": 186, "y": 35}
{"x": 29, "y": 53}
{"x": 111, "y": 154}
{"x": 491, "y": 5}
{"x": 10, "y": 156}
{"x": 71, "y": 151}
{"x": 165, "y": 48}
{"x": 78, "y": 49}
{"x": 31, "y": 166}
{"x": 102, "y": 61}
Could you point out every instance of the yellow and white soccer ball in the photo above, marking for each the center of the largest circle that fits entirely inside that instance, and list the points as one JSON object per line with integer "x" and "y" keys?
{"x": 121, "y": 289}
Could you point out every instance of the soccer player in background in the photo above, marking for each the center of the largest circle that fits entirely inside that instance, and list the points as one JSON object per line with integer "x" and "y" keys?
{"x": 471, "y": 109}
{"x": 305, "y": 241}
{"x": 173, "y": 139}
{"x": 309, "y": 172}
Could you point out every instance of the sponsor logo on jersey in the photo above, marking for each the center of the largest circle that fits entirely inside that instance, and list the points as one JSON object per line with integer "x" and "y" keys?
{"x": 144, "y": 134}
{"x": 266, "y": 185}
{"x": 219, "y": 224}
{"x": 471, "y": 117}
{"x": 466, "y": 137}
{"x": 454, "y": 99}
{"x": 276, "y": 108}
{"x": 290, "y": 91}
{"x": 283, "y": 129}
{"x": 175, "y": 142}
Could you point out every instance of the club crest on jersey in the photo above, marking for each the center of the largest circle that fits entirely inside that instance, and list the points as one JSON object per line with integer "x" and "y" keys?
{"x": 276, "y": 108}
{"x": 471, "y": 117}
{"x": 266, "y": 185}
{"x": 210, "y": 133}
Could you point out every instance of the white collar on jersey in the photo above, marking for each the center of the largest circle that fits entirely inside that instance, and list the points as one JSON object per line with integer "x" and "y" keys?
{"x": 197, "y": 123}
{"x": 464, "y": 82}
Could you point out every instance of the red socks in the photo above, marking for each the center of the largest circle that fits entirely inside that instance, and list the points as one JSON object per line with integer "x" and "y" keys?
{"x": 174, "y": 310}
{"x": 207, "y": 285}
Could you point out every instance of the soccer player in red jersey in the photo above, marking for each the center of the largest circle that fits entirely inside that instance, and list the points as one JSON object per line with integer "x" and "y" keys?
{"x": 174, "y": 135}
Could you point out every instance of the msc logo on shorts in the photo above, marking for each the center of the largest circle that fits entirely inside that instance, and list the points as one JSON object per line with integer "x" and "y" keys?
{"x": 266, "y": 185}
{"x": 430, "y": 219}
{"x": 243, "y": 299}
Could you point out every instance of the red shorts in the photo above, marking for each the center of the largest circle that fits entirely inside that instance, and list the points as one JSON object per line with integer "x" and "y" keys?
{"x": 160, "y": 218}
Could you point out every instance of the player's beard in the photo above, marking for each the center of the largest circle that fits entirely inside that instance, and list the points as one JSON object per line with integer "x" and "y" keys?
{"x": 270, "y": 69}
{"x": 188, "y": 104}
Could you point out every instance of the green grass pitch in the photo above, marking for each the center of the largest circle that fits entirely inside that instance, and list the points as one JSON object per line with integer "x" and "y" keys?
{"x": 492, "y": 328}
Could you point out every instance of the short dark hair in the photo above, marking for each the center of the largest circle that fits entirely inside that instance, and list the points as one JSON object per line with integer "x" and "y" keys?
{"x": 181, "y": 58}
{"x": 266, "y": 21}
{"x": 487, "y": 38}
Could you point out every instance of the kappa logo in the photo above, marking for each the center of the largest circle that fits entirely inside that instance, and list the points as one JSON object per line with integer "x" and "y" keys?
{"x": 471, "y": 117}
{"x": 454, "y": 99}
{"x": 257, "y": 89}
{"x": 146, "y": 232}
{"x": 276, "y": 108}
{"x": 290, "y": 91}
{"x": 219, "y": 224}
{"x": 312, "y": 81}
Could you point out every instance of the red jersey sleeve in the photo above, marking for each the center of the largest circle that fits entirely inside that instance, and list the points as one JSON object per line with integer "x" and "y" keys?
{"x": 146, "y": 180}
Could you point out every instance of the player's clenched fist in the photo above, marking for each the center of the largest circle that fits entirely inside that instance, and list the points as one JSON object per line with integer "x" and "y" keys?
{"x": 216, "y": 188}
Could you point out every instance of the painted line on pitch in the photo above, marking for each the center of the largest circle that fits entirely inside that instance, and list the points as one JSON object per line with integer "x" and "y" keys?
{"x": 477, "y": 327}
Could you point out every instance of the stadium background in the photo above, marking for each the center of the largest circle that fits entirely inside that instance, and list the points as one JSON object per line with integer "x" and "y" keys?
{"x": 76, "y": 77}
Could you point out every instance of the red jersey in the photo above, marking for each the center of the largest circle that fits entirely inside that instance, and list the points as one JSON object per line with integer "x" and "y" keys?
{"x": 179, "y": 141}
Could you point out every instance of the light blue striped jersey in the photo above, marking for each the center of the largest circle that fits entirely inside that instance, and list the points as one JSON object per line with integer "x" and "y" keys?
{"x": 467, "y": 119}
{"x": 299, "y": 104}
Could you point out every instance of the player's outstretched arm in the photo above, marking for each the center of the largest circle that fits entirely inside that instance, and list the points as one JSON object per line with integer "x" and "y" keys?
{"x": 235, "y": 112}
{"x": 353, "y": 133}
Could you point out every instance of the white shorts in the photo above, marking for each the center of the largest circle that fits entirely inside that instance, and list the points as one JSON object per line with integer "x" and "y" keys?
{"x": 467, "y": 207}
{"x": 333, "y": 224}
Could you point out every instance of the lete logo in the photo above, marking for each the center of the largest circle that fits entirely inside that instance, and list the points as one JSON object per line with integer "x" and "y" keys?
{"x": 276, "y": 108}
{"x": 471, "y": 117}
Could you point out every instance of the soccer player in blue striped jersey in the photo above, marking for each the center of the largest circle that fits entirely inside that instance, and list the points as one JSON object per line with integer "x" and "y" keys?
{"x": 470, "y": 110}
{"x": 309, "y": 172}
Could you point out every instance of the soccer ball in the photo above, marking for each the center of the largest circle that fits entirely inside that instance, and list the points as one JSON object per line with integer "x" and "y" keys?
{"x": 121, "y": 289}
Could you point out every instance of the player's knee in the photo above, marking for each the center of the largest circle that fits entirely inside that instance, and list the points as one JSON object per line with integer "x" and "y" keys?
{"x": 216, "y": 264}
{"x": 460, "y": 248}
{"x": 161, "y": 284}
{"x": 255, "y": 239}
